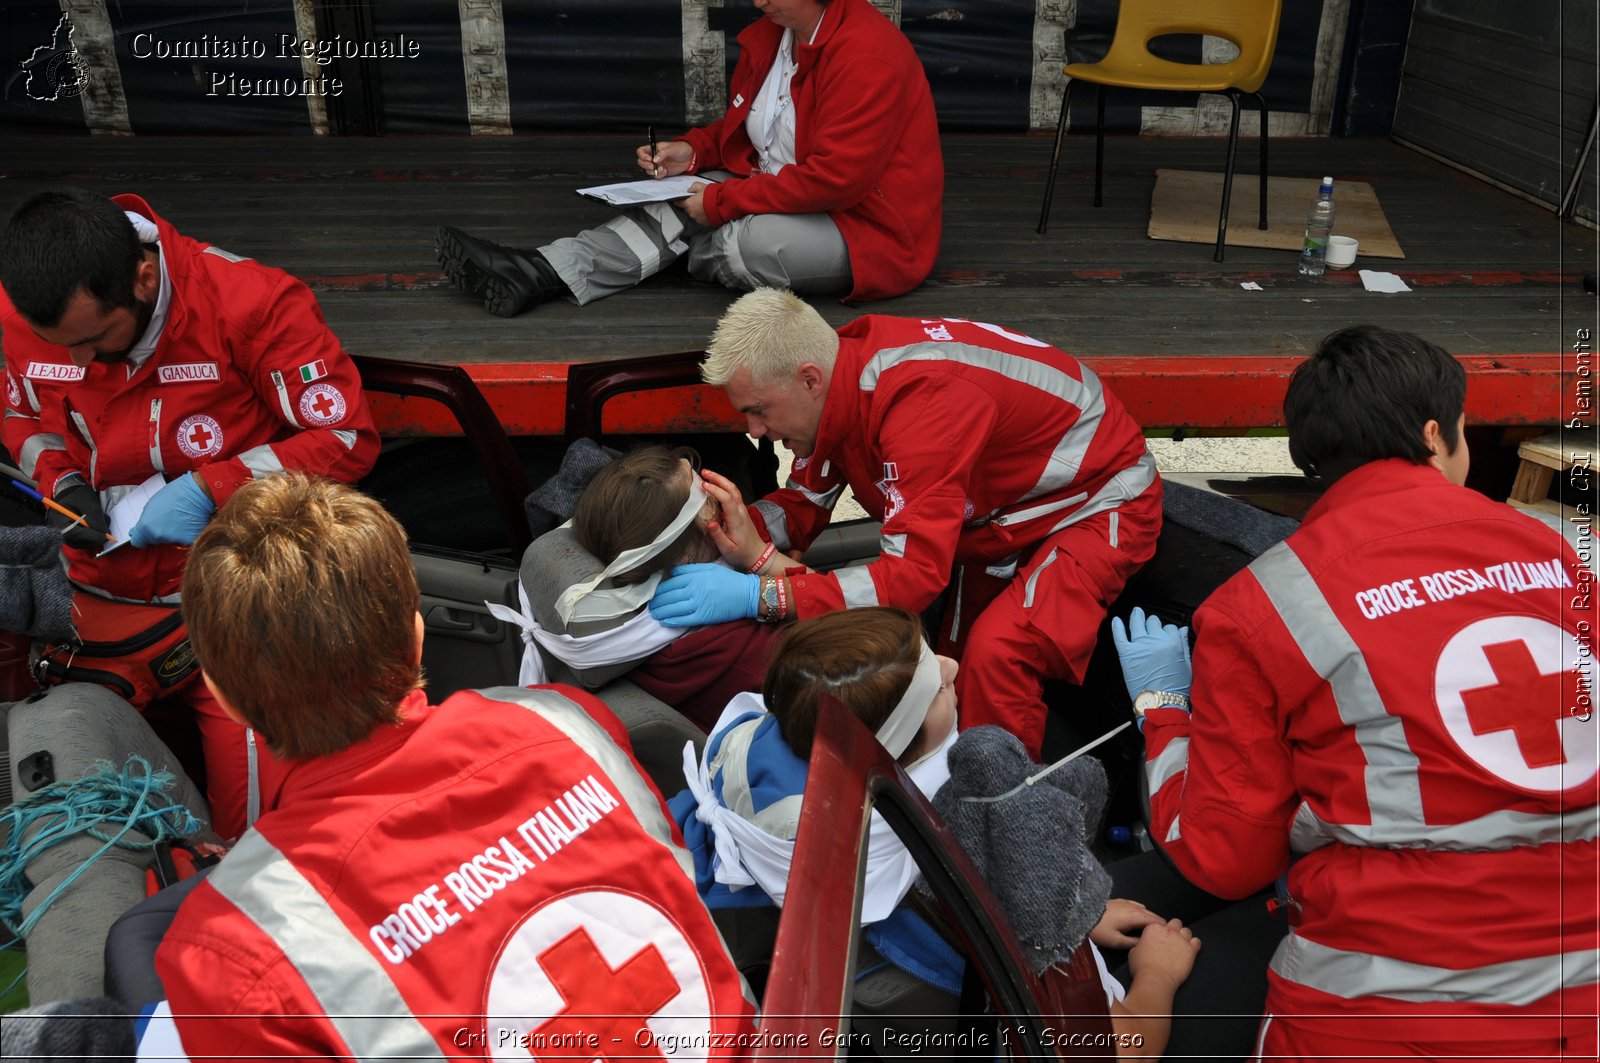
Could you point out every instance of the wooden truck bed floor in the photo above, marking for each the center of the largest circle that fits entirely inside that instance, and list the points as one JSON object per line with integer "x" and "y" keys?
{"x": 1495, "y": 278}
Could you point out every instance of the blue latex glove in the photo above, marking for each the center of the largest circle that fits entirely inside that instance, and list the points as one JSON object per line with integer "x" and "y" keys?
{"x": 696, "y": 595}
{"x": 1155, "y": 656}
{"x": 176, "y": 514}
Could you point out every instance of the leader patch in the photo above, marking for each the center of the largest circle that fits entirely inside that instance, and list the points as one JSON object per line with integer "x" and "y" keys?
{"x": 1515, "y": 695}
{"x": 200, "y": 436}
{"x": 598, "y": 973}
{"x": 322, "y": 404}
{"x": 55, "y": 371}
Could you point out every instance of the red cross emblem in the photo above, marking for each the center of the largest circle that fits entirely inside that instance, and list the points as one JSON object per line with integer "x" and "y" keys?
{"x": 322, "y": 404}
{"x": 1527, "y": 702}
{"x": 611, "y": 1004}
{"x": 1514, "y": 692}
{"x": 599, "y": 974}
{"x": 199, "y": 436}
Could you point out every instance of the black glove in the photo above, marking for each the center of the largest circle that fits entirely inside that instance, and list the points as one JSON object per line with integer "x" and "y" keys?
{"x": 82, "y": 499}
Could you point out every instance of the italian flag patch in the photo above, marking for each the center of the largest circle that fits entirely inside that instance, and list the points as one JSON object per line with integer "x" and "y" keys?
{"x": 313, "y": 371}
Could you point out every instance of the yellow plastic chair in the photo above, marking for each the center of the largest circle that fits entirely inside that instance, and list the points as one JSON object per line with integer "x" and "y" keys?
{"x": 1252, "y": 27}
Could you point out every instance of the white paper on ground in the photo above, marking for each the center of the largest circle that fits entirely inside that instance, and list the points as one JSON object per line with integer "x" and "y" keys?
{"x": 650, "y": 190}
{"x": 1378, "y": 281}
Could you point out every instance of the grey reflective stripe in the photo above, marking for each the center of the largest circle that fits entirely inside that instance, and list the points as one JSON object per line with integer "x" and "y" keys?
{"x": 161, "y": 599}
{"x": 667, "y": 218}
{"x": 777, "y": 522}
{"x": 570, "y": 719}
{"x": 1494, "y": 832}
{"x": 632, "y": 234}
{"x": 857, "y": 586}
{"x": 33, "y": 396}
{"x": 1033, "y": 580}
{"x": 283, "y": 399}
{"x": 345, "y": 436}
{"x": 892, "y": 545}
{"x": 229, "y": 255}
{"x": 1173, "y": 760}
{"x": 1394, "y": 794}
{"x": 261, "y": 461}
{"x": 1111, "y": 534}
{"x": 353, "y": 991}
{"x": 1361, "y": 974}
{"x": 1066, "y": 461}
{"x": 34, "y": 446}
{"x": 1173, "y": 834}
{"x": 155, "y": 436}
{"x": 1086, "y": 395}
{"x": 822, "y": 500}
{"x": 781, "y": 819}
{"x": 955, "y": 618}
{"x": 1128, "y": 484}
{"x": 252, "y": 808}
{"x": 94, "y": 451}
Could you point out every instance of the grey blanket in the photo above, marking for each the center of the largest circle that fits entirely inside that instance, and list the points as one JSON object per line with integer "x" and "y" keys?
{"x": 1032, "y": 846}
{"x": 35, "y": 598}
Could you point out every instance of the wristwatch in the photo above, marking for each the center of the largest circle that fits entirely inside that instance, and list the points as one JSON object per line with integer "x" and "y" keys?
{"x": 1159, "y": 699}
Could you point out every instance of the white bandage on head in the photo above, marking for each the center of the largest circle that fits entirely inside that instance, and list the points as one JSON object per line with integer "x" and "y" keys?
{"x": 900, "y": 729}
{"x": 590, "y": 601}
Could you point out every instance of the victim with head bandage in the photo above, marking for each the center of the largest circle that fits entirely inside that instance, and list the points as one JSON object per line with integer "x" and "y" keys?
{"x": 585, "y": 584}
{"x": 742, "y": 809}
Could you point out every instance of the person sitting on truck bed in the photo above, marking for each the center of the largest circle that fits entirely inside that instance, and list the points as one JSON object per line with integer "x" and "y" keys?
{"x": 586, "y": 586}
{"x": 741, "y": 812}
{"x": 133, "y": 351}
{"x": 427, "y": 866}
{"x": 824, "y": 176}
{"x": 997, "y": 463}
{"x": 1394, "y": 706}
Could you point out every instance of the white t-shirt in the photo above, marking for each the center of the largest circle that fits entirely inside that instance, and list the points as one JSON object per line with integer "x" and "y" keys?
{"x": 770, "y": 124}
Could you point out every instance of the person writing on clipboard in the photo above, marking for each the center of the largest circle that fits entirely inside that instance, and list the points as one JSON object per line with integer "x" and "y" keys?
{"x": 824, "y": 177}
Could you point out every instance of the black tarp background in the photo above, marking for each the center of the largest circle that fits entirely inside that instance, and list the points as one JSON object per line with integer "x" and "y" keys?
{"x": 575, "y": 65}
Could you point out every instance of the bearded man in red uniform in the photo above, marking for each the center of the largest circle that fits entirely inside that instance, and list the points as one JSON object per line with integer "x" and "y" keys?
{"x": 1395, "y": 706}
{"x": 999, "y": 465}
{"x": 491, "y": 877}
{"x": 134, "y": 351}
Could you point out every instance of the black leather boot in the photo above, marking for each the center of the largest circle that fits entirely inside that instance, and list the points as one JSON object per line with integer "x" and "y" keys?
{"x": 508, "y": 280}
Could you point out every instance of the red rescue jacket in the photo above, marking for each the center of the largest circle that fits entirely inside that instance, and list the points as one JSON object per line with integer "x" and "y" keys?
{"x": 866, "y": 145}
{"x": 491, "y": 876}
{"x": 246, "y": 380}
{"x": 971, "y": 443}
{"x": 1393, "y": 694}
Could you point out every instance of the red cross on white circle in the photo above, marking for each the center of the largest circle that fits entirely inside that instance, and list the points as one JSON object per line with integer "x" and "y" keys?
{"x": 601, "y": 964}
{"x": 1513, "y": 692}
{"x": 322, "y": 404}
{"x": 199, "y": 436}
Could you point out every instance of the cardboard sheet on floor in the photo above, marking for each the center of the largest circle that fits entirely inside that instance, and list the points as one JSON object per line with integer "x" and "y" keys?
{"x": 1185, "y": 203}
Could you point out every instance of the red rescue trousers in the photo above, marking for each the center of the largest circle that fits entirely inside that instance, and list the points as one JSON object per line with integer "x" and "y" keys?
{"x": 1042, "y": 623}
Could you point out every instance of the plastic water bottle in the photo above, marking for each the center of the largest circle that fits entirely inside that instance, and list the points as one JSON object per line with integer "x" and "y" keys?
{"x": 1319, "y": 223}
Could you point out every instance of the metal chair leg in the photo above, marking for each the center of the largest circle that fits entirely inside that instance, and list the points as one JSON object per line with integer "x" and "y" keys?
{"x": 1227, "y": 176}
{"x": 1055, "y": 159}
{"x": 1261, "y": 103}
{"x": 1099, "y": 138}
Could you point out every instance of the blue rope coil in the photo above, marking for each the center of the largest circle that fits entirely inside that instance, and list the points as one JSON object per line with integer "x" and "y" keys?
{"x": 108, "y": 804}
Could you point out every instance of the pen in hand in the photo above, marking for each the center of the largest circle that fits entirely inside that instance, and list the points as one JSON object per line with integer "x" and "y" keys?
{"x": 76, "y": 518}
{"x": 655, "y": 170}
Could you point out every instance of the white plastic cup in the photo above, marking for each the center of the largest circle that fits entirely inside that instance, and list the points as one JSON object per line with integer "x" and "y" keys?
{"x": 1341, "y": 251}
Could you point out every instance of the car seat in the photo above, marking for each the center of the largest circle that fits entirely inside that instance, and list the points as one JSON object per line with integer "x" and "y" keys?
{"x": 554, "y": 562}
